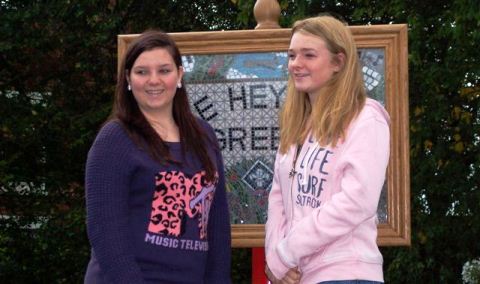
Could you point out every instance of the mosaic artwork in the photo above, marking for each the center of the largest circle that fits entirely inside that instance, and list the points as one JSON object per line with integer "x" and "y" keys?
{"x": 240, "y": 95}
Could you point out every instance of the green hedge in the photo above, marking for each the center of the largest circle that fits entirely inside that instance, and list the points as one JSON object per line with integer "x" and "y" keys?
{"x": 57, "y": 74}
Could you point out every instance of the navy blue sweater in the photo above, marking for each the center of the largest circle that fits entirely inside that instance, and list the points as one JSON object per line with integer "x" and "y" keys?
{"x": 154, "y": 223}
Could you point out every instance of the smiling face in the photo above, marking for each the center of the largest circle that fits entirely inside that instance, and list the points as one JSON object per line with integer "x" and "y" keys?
{"x": 310, "y": 63}
{"x": 153, "y": 79}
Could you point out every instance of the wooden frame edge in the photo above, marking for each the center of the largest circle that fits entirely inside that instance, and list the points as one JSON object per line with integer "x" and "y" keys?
{"x": 397, "y": 230}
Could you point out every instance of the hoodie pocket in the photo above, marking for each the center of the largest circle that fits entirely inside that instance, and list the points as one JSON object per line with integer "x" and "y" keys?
{"x": 339, "y": 250}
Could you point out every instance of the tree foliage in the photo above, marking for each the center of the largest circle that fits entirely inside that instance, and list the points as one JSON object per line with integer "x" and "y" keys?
{"x": 58, "y": 68}
{"x": 444, "y": 136}
{"x": 57, "y": 74}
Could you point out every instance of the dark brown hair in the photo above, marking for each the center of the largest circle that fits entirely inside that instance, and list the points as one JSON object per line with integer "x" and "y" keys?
{"x": 126, "y": 110}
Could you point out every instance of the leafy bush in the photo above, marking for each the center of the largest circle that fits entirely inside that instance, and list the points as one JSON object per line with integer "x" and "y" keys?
{"x": 57, "y": 75}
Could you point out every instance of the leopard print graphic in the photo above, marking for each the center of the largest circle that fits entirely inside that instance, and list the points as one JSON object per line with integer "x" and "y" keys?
{"x": 176, "y": 197}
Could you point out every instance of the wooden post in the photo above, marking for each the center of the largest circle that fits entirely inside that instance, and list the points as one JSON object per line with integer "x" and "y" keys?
{"x": 267, "y": 13}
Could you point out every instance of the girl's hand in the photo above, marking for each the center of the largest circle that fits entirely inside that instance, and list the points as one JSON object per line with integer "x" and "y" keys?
{"x": 292, "y": 276}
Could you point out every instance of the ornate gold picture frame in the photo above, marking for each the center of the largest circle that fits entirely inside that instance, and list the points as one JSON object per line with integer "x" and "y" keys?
{"x": 236, "y": 81}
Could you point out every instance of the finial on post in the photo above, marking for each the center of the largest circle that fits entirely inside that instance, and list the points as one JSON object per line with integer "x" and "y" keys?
{"x": 267, "y": 13}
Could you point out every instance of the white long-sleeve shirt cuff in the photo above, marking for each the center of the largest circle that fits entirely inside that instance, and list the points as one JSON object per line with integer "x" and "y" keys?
{"x": 285, "y": 256}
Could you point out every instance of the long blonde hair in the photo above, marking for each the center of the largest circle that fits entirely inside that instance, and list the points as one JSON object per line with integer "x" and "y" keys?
{"x": 338, "y": 102}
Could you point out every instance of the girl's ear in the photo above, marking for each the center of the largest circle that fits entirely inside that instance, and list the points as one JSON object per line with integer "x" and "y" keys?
{"x": 339, "y": 61}
{"x": 127, "y": 76}
{"x": 181, "y": 71}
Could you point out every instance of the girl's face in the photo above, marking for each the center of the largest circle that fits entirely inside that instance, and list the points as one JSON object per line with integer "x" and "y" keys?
{"x": 153, "y": 79}
{"x": 310, "y": 63}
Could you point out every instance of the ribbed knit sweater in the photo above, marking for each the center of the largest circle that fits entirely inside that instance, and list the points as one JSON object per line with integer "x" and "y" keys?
{"x": 149, "y": 222}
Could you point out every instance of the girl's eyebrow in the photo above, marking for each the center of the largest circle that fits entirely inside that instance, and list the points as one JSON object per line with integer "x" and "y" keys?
{"x": 305, "y": 49}
{"x": 161, "y": 65}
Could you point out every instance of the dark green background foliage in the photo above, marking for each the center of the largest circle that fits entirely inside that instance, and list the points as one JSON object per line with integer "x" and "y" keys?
{"x": 57, "y": 76}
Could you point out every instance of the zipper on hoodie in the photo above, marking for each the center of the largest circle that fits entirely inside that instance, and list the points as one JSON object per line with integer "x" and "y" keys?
{"x": 312, "y": 147}
{"x": 298, "y": 149}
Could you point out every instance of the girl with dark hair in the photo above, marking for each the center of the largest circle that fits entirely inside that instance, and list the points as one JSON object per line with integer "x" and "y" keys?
{"x": 155, "y": 186}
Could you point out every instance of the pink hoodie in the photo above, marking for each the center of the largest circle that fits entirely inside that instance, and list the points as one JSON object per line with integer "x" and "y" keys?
{"x": 323, "y": 220}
